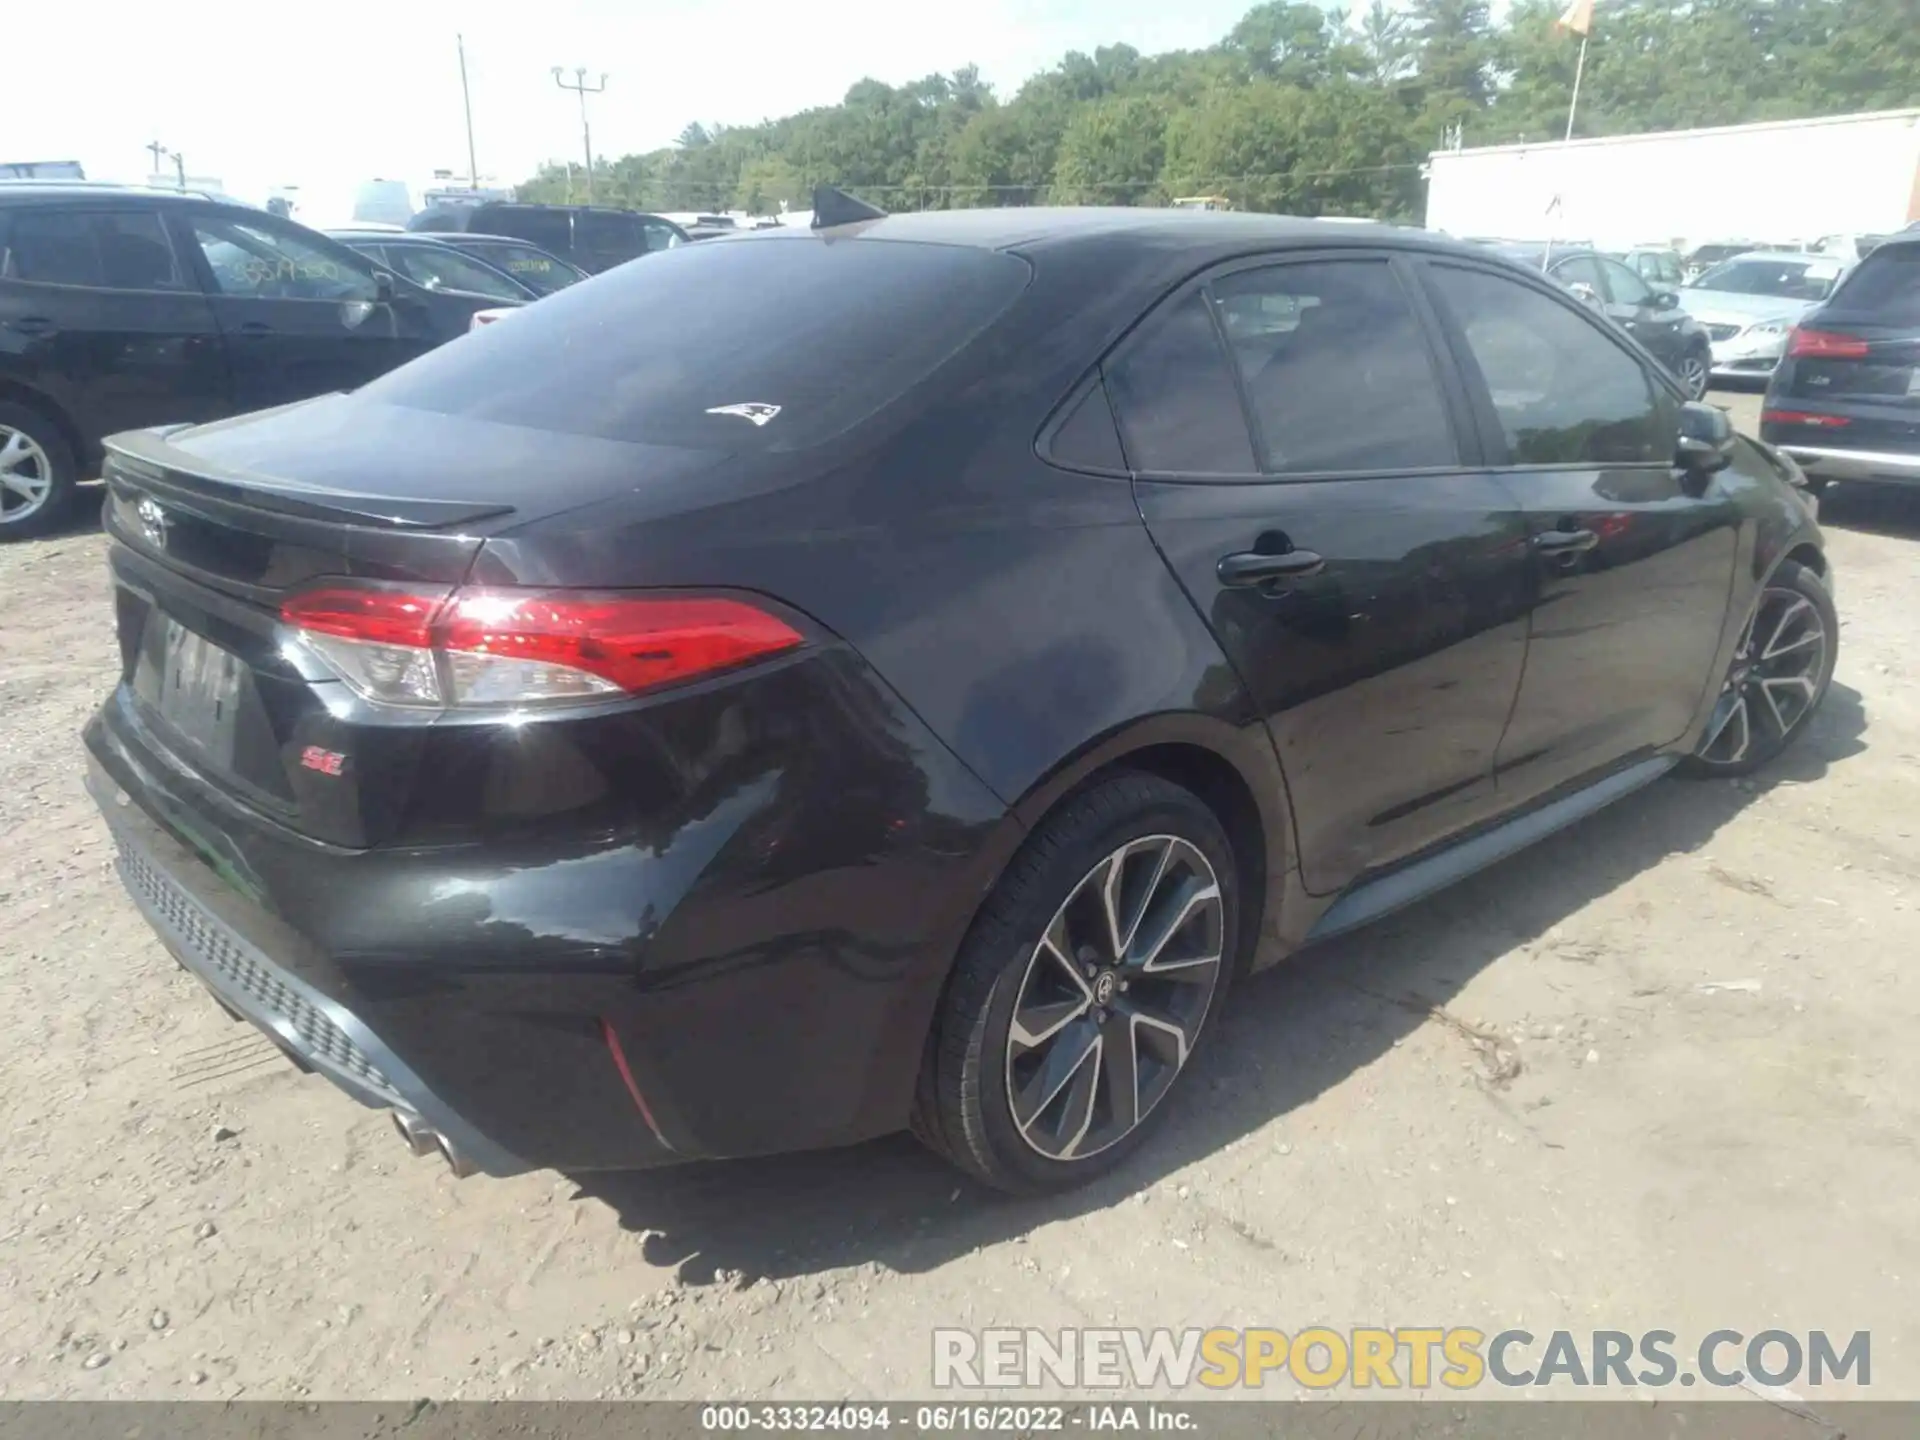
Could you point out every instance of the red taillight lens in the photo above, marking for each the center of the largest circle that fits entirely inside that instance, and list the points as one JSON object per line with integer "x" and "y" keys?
{"x": 492, "y": 648}
{"x": 1824, "y": 345}
{"x": 1803, "y": 417}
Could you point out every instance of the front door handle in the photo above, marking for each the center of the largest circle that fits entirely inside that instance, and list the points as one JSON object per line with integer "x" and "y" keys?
{"x": 256, "y": 327}
{"x": 1565, "y": 542}
{"x": 31, "y": 325}
{"x": 1249, "y": 567}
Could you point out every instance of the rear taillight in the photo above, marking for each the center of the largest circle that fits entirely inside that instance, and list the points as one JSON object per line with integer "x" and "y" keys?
{"x": 1824, "y": 345}
{"x": 512, "y": 649}
{"x": 487, "y": 317}
{"x": 1803, "y": 417}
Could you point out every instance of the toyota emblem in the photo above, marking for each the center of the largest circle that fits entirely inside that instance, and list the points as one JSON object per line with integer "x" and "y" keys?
{"x": 153, "y": 522}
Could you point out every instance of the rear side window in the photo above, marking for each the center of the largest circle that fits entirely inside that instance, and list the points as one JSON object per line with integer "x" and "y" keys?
{"x": 1565, "y": 393}
{"x": 1175, "y": 399}
{"x": 103, "y": 250}
{"x": 549, "y": 229}
{"x": 754, "y": 345}
{"x": 1336, "y": 369}
{"x": 608, "y": 232}
{"x": 1886, "y": 287}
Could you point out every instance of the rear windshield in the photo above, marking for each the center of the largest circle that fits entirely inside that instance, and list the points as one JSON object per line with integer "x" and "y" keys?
{"x": 750, "y": 344}
{"x": 1885, "y": 288}
{"x": 528, "y": 265}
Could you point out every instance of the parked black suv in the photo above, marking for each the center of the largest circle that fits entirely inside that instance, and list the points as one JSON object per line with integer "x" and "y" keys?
{"x": 1845, "y": 402}
{"x": 593, "y": 237}
{"x": 122, "y": 308}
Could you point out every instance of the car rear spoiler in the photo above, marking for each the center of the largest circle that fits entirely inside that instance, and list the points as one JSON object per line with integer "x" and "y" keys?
{"x": 146, "y": 458}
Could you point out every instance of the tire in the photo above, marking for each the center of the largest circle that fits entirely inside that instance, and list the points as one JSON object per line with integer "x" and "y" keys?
{"x": 1005, "y": 1102}
{"x": 1777, "y": 679}
{"x": 34, "y": 456}
{"x": 1696, "y": 373}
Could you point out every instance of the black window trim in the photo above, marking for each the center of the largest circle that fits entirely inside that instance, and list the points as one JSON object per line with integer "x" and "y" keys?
{"x": 1057, "y": 420}
{"x": 1455, "y": 397}
{"x": 191, "y": 281}
{"x": 1498, "y": 454}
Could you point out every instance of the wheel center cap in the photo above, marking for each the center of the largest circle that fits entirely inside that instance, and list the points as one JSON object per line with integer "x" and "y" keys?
{"x": 1104, "y": 985}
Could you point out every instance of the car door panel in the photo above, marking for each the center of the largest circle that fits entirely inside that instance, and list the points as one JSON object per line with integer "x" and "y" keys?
{"x": 1387, "y": 676}
{"x": 1378, "y": 618}
{"x": 97, "y": 312}
{"x": 1633, "y": 559}
{"x": 299, "y": 316}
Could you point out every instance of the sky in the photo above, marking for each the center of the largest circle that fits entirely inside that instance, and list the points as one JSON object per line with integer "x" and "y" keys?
{"x": 329, "y": 97}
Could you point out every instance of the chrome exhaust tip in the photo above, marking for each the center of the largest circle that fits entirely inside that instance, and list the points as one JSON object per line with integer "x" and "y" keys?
{"x": 461, "y": 1166}
{"x": 423, "y": 1139}
{"x": 419, "y": 1136}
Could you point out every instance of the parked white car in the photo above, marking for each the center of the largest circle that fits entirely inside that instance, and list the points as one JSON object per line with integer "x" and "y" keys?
{"x": 1750, "y": 302}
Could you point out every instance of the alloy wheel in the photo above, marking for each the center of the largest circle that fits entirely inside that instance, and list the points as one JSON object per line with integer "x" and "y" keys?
{"x": 1694, "y": 376}
{"x": 1775, "y": 679}
{"x": 26, "y": 475}
{"x": 1113, "y": 996}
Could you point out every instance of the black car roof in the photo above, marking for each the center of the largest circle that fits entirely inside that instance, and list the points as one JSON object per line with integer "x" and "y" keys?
{"x": 49, "y": 191}
{"x": 1040, "y": 225}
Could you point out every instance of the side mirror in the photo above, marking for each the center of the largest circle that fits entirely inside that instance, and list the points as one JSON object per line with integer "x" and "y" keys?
{"x": 383, "y": 286}
{"x": 1706, "y": 439}
{"x": 1665, "y": 300}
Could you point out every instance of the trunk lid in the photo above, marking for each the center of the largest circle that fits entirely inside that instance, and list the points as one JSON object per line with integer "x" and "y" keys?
{"x": 215, "y": 525}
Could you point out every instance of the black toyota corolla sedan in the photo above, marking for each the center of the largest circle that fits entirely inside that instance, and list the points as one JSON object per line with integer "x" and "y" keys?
{"x": 921, "y": 701}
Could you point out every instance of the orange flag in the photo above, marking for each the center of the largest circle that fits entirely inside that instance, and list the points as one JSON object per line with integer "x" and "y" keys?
{"x": 1577, "y": 19}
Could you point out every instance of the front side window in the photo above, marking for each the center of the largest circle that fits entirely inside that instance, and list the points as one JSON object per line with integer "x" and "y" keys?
{"x": 660, "y": 235}
{"x": 103, "y": 250}
{"x": 1581, "y": 275}
{"x": 1564, "y": 393}
{"x": 259, "y": 261}
{"x": 1175, "y": 399}
{"x": 1627, "y": 288}
{"x": 1336, "y": 369}
{"x": 440, "y": 268}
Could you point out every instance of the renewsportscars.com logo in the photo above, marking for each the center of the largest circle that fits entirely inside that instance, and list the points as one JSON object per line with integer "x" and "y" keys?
{"x": 1376, "y": 1358}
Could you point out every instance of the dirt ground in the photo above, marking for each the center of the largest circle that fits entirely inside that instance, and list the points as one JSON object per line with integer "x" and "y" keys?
{"x": 1710, "y": 990}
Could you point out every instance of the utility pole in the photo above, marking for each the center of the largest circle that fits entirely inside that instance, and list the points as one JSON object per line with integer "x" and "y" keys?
{"x": 156, "y": 149}
{"x": 580, "y": 87}
{"x": 466, "y": 99}
{"x": 180, "y": 167}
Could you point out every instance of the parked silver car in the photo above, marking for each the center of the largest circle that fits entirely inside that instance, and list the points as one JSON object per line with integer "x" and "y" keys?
{"x": 1749, "y": 303}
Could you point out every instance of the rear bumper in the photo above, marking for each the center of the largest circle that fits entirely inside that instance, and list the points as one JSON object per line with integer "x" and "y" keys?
{"x": 319, "y": 1033}
{"x": 754, "y": 974}
{"x": 1824, "y": 463}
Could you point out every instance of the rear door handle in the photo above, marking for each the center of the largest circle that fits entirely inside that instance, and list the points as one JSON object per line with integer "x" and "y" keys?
{"x": 256, "y": 327}
{"x": 1565, "y": 542}
{"x": 31, "y": 325}
{"x": 1252, "y": 568}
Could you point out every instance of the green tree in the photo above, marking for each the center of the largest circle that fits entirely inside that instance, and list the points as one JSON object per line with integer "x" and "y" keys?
{"x": 1112, "y": 152}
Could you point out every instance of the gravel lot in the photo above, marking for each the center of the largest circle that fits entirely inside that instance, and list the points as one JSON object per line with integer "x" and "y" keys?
{"x": 1709, "y": 991}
